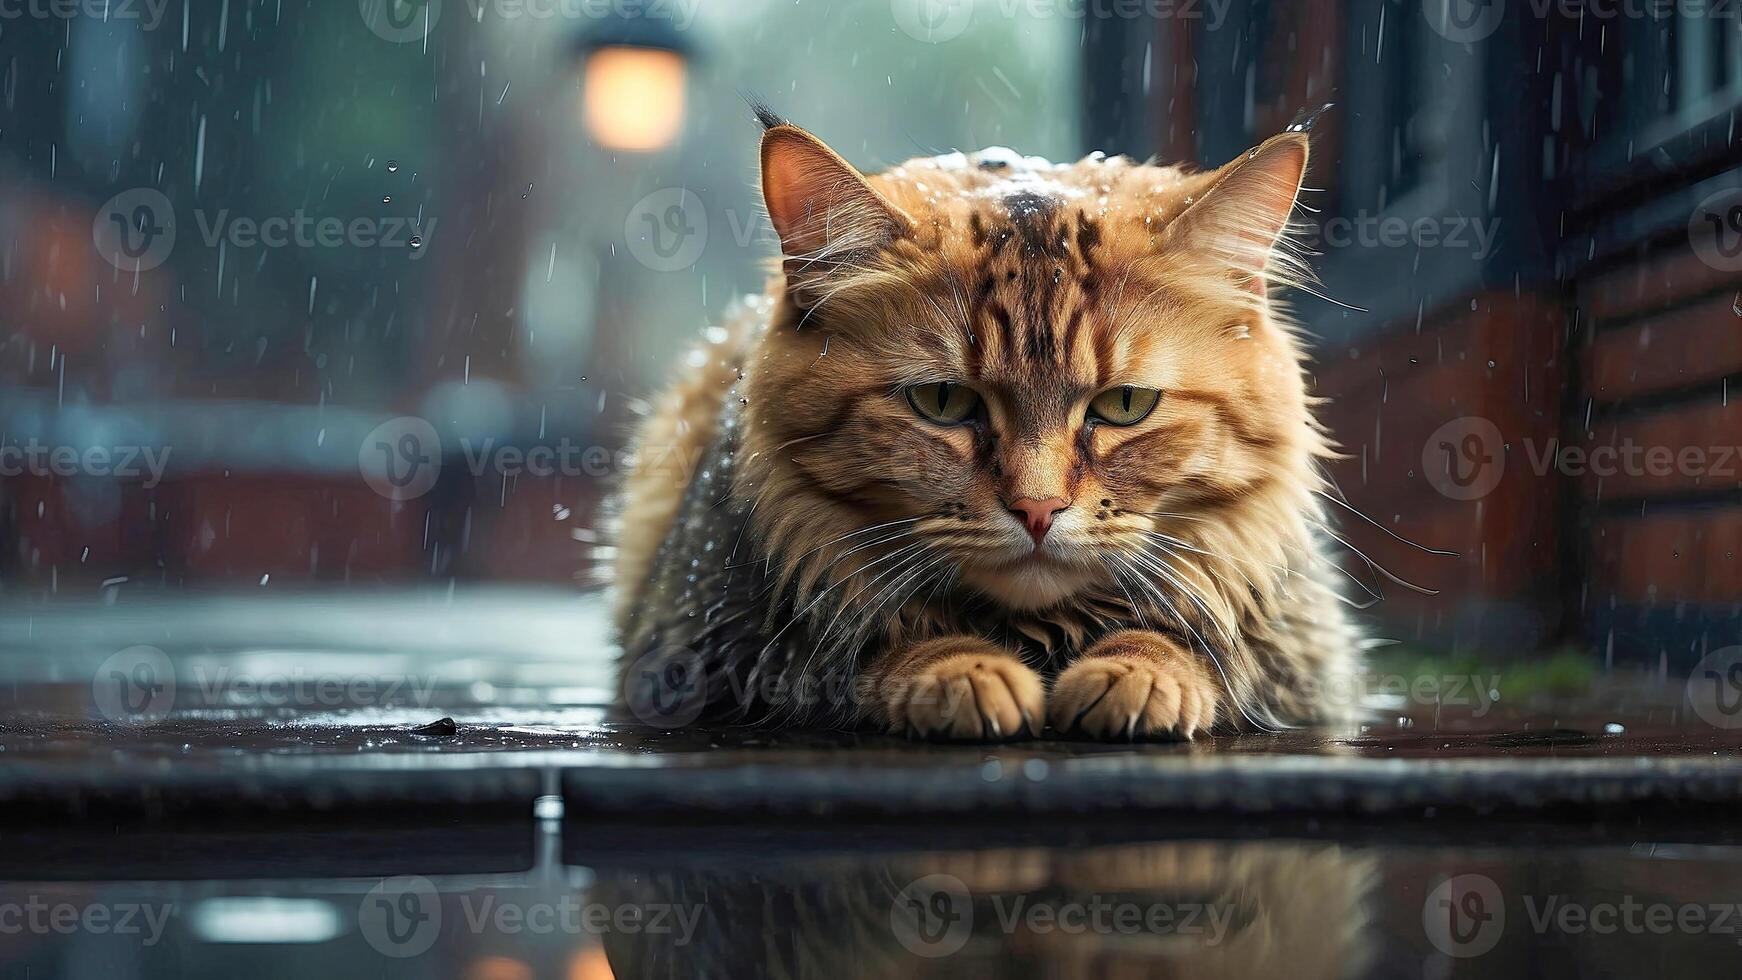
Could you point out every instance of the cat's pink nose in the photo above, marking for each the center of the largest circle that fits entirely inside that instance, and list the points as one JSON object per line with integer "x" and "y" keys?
{"x": 1036, "y": 515}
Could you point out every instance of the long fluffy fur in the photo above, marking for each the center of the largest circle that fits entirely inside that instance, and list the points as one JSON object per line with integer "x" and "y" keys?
{"x": 1038, "y": 277}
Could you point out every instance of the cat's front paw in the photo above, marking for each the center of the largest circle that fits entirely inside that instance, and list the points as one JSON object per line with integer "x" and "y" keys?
{"x": 1134, "y": 684}
{"x": 964, "y": 690}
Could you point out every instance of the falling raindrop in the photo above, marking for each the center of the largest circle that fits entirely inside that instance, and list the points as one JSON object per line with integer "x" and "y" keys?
{"x": 393, "y": 166}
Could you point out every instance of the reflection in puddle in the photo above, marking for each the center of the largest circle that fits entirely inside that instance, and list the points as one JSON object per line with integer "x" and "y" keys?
{"x": 1200, "y": 910}
{"x": 1207, "y": 908}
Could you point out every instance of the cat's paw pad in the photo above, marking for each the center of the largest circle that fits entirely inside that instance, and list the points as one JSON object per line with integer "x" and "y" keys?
{"x": 976, "y": 696}
{"x": 1132, "y": 697}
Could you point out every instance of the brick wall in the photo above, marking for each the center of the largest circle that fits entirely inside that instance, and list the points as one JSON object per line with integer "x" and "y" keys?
{"x": 1659, "y": 536}
{"x": 1496, "y": 357}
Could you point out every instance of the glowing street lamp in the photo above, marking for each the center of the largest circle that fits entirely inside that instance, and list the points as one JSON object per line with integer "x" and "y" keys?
{"x": 634, "y": 85}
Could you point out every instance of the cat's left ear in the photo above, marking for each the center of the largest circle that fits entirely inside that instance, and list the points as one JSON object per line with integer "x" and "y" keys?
{"x": 825, "y": 212}
{"x": 817, "y": 201}
{"x": 1242, "y": 219}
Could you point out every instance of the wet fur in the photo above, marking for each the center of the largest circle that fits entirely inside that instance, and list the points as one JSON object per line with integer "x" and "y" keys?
{"x": 822, "y": 555}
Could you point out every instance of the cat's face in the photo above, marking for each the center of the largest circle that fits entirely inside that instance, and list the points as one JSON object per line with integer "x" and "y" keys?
{"x": 1023, "y": 371}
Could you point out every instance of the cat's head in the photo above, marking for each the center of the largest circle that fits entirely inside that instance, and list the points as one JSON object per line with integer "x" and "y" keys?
{"x": 1021, "y": 371}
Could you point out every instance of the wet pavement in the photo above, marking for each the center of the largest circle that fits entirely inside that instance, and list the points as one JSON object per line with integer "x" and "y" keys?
{"x": 436, "y": 786}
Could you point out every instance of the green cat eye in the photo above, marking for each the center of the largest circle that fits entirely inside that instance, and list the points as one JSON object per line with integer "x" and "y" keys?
{"x": 943, "y": 402}
{"x": 1124, "y": 405}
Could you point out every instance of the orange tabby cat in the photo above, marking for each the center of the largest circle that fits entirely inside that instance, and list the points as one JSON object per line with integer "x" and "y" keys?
{"x": 1007, "y": 442}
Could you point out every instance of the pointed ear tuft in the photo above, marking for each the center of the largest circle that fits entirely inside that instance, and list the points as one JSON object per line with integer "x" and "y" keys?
{"x": 1242, "y": 219}
{"x": 765, "y": 115}
{"x": 820, "y": 206}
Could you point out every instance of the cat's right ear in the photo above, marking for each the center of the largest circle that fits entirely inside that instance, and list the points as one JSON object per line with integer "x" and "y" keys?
{"x": 1243, "y": 221}
{"x": 822, "y": 209}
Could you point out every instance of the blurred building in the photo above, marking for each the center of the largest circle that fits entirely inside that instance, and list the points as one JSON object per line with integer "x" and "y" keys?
{"x": 555, "y": 198}
{"x": 1533, "y": 215}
